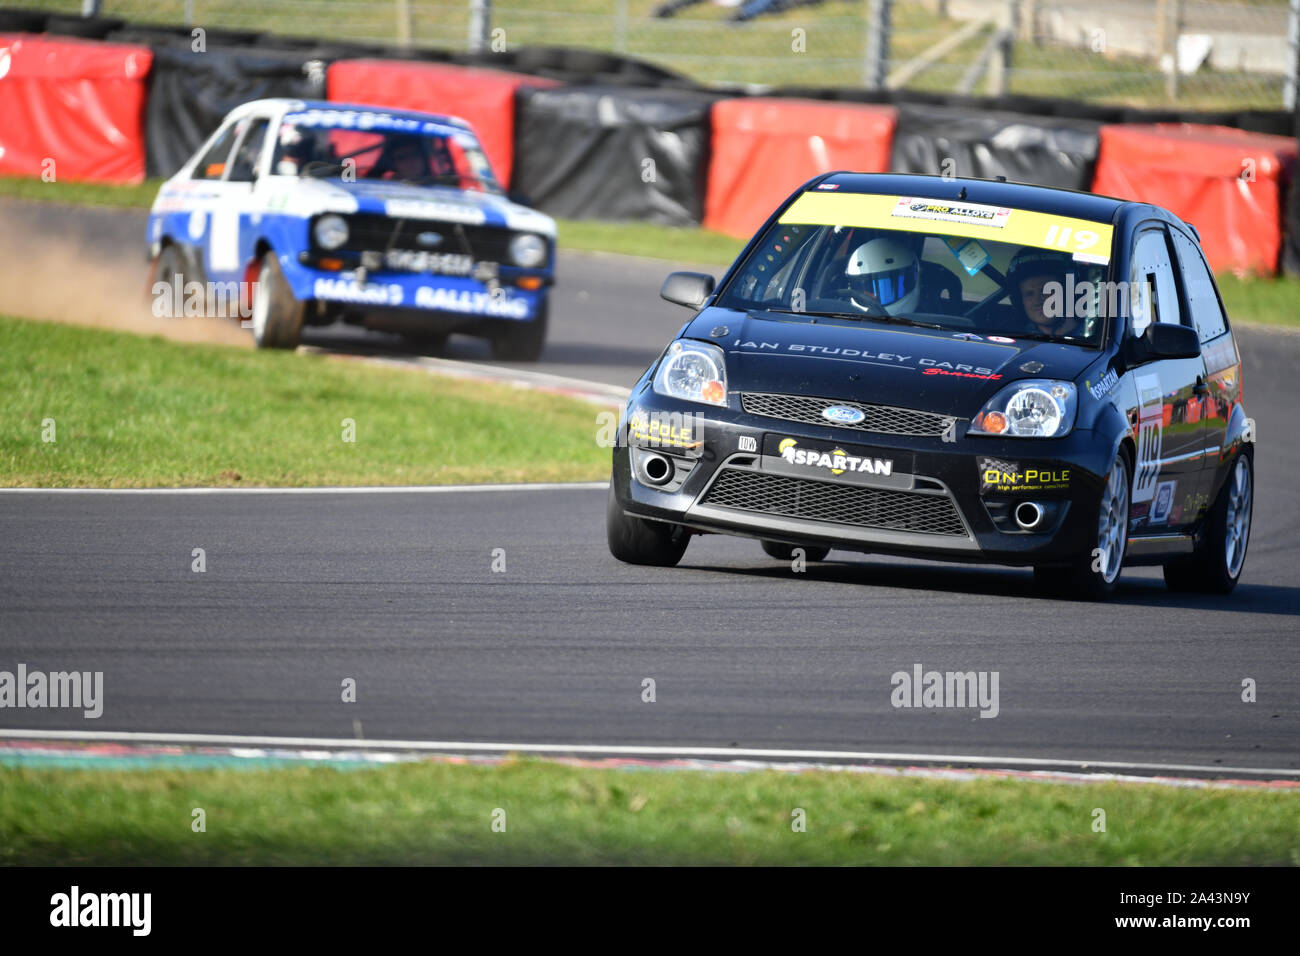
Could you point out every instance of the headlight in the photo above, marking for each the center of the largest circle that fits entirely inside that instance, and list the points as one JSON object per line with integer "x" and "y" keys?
{"x": 528, "y": 251}
{"x": 1035, "y": 408}
{"x": 695, "y": 371}
{"x": 330, "y": 232}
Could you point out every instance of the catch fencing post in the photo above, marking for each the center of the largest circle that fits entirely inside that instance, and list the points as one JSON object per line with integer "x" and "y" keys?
{"x": 1293, "y": 57}
{"x": 403, "y": 13}
{"x": 90, "y": 8}
{"x": 875, "y": 64}
{"x": 480, "y": 24}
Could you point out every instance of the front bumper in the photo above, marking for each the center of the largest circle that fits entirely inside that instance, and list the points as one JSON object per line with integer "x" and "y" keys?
{"x": 951, "y": 499}
{"x": 411, "y": 293}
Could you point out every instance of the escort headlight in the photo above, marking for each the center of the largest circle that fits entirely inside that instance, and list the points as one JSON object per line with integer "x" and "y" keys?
{"x": 330, "y": 231}
{"x": 528, "y": 251}
{"x": 694, "y": 371}
{"x": 1035, "y": 408}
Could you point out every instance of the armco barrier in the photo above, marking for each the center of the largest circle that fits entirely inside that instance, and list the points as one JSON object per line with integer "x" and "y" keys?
{"x": 763, "y": 149}
{"x": 485, "y": 98}
{"x": 1228, "y": 183}
{"x": 1044, "y": 150}
{"x": 615, "y": 153}
{"x": 77, "y": 102}
{"x": 190, "y": 93}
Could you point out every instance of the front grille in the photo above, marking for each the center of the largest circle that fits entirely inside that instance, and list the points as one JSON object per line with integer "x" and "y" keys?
{"x": 841, "y": 504}
{"x": 882, "y": 419}
{"x": 369, "y": 232}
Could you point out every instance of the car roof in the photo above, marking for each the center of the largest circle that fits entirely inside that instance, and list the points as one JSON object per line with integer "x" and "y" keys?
{"x": 990, "y": 192}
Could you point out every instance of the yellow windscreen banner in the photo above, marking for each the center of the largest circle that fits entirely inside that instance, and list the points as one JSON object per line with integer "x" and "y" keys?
{"x": 1088, "y": 241}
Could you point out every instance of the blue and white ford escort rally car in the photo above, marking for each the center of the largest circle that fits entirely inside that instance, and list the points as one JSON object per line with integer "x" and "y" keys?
{"x": 311, "y": 212}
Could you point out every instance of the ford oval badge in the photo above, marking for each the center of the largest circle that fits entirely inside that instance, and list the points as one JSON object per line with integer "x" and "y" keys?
{"x": 843, "y": 415}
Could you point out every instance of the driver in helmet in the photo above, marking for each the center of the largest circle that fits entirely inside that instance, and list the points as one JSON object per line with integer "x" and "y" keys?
{"x": 883, "y": 273}
{"x": 1038, "y": 279}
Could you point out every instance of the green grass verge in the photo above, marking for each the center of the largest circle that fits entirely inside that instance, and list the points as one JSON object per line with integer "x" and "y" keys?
{"x": 1266, "y": 301}
{"x": 442, "y": 813}
{"x": 135, "y": 411}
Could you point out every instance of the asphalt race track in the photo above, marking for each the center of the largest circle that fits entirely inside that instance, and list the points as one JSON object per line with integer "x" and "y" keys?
{"x": 396, "y": 591}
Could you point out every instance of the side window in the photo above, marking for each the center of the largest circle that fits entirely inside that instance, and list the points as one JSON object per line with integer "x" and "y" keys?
{"x": 1198, "y": 286}
{"x": 1153, "y": 295}
{"x": 248, "y": 153}
{"x": 213, "y": 163}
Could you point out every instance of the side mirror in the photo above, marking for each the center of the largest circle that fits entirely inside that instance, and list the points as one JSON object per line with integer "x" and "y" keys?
{"x": 1161, "y": 340}
{"x": 691, "y": 289}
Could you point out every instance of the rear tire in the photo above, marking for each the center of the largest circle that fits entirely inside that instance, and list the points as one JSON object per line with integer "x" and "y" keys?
{"x": 521, "y": 341}
{"x": 638, "y": 541}
{"x": 785, "y": 552}
{"x": 1219, "y": 560}
{"x": 1095, "y": 577}
{"x": 277, "y": 315}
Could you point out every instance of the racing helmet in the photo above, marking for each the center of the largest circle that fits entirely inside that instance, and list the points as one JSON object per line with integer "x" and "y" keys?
{"x": 884, "y": 271}
{"x": 1030, "y": 262}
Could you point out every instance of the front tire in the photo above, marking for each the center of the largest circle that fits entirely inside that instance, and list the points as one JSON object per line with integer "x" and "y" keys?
{"x": 277, "y": 315}
{"x": 638, "y": 541}
{"x": 169, "y": 269}
{"x": 521, "y": 341}
{"x": 1219, "y": 560}
{"x": 1095, "y": 577}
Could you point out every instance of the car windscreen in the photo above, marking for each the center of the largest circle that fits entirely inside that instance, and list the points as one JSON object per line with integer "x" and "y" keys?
{"x": 983, "y": 270}
{"x": 353, "y": 145}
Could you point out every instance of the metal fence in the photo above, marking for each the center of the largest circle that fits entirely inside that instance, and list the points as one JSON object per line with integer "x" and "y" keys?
{"x": 1213, "y": 54}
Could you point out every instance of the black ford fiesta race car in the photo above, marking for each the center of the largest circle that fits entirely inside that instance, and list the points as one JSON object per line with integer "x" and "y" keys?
{"x": 955, "y": 369}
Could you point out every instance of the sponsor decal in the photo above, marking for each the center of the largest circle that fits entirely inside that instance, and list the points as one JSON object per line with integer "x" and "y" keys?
{"x": 1104, "y": 385}
{"x": 843, "y": 414}
{"x": 866, "y": 355}
{"x": 828, "y": 185}
{"x": 748, "y": 443}
{"x": 959, "y": 374}
{"x": 1150, "y": 437}
{"x": 367, "y": 120}
{"x": 1002, "y": 339}
{"x": 347, "y": 290}
{"x": 837, "y": 461}
{"x": 471, "y": 303}
{"x": 1084, "y": 240}
{"x": 912, "y": 208}
{"x": 655, "y": 429}
{"x": 1162, "y": 501}
{"x": 1008, "y": 477}
{"x": 429, "y": 239}
{"x": 428, "y": 209}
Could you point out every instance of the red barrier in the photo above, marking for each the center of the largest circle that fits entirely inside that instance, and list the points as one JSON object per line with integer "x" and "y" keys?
{"x": 79, "y": 103}
{"x": 1227, "y": 183}
{"x": 764, "y": 149}
{"x": 485, "y": 98}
